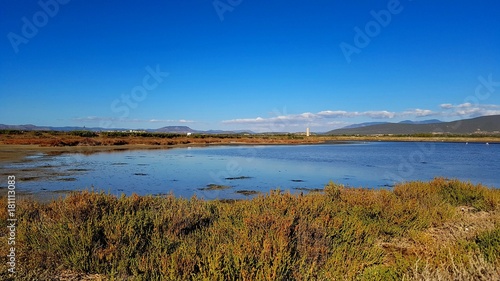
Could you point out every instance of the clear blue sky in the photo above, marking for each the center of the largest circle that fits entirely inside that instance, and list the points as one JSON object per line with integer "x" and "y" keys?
{"x": 249, "y": 64}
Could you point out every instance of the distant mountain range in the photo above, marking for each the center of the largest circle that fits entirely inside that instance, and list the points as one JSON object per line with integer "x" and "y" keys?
{"x": 430, "y": 121}
{"x": 30, "y": 127}
{"x": 167, "y": 129}
{"x": 484, "y": 124}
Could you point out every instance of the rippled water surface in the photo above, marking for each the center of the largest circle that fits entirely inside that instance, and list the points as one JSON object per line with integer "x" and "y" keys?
{"x": 189, "y": 171}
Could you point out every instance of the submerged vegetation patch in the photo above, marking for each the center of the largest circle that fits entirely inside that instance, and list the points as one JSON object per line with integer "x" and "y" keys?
{"x": 34, "y": 178}
{"x": 238, "y": 178}
{"x": 437, "y": 230}
{"x": 215, "y": 187}
{"x": 247, "y": 192}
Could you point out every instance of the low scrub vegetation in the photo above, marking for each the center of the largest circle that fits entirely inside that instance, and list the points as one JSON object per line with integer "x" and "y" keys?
{"x": 88, "y": 138}
{"x": 437, "y": 230}
{"x": 86, "y": 134}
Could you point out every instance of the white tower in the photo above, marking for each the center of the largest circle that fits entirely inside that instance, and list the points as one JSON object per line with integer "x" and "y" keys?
{"x": 308, "y": 133}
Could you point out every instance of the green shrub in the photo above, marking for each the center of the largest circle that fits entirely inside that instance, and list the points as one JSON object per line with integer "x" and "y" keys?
{"x": 85, "y": 134}
{"x": 489, "y": 245}
{"x": 11, "y": 132}
{"x": 334, "y": 190}
{"x": 464, "y": 193}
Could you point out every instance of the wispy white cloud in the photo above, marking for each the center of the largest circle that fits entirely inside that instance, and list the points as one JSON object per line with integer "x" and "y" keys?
{"x": 466, "y": 110}
{"x": 323, "y": 120}
{"x": 349, "y": 114}
{"x": 384, "y": 114}
{"x": 291, "y": 118}
{"x": 336, "y": 114}
{"x": 309, "y": 117}
{"x": 257, "y": 120}
{"x": 419, "y": 112}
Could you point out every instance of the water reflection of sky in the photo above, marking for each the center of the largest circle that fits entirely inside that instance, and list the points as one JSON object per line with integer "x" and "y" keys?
{"x": 185, "y": 171}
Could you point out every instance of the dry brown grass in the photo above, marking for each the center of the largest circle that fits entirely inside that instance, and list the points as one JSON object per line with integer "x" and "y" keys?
{"x": 61, "y": 139}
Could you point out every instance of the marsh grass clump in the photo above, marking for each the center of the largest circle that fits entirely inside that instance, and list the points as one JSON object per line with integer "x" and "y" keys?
{"x": 416, "y": 231}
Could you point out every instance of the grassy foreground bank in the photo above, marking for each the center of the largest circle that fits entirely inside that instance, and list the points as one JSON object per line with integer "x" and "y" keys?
{"x": 418, "y": 231}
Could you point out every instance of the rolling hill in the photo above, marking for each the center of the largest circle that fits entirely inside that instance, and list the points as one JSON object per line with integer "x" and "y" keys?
{"x": 484, "y": 124}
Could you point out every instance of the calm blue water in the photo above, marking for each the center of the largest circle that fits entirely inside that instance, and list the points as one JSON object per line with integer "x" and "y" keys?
{"x": 184, "y": 171}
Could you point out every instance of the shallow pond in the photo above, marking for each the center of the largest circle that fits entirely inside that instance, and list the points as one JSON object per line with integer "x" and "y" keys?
{"x": 241, "y": 171}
